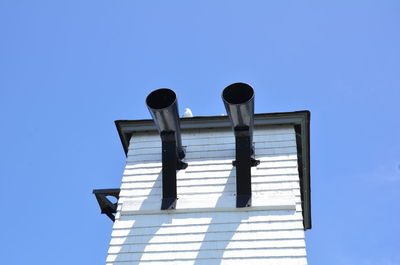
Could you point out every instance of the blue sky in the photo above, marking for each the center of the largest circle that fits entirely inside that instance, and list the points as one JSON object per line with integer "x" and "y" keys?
{"x": 68, "y": 69}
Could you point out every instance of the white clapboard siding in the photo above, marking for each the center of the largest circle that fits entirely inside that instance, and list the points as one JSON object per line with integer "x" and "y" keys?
{"x": 209, "y": 188}
{"x": 222, "y": 236}
{"x": 200, "y": 219}
{"x": 269, "y": 193}
{"x": 206, "y": 227}
{"x": 182, "y": 175}
{"x": 228, "y": 189}
{"x": 151, "y": 141}
{"x": 221, "y": 154}
{"x": 211, "y": 228}
{"x": 214, "y": 147}
{"x": 190, "y": 182}
{"x": 195, "y": 135}
{"x": 263, "y": 159}
{"x": 207, "y": 203}
{"x": 211, "y": 165}
{"x": 209, "y": 245}
{"x": 190, "y": 255}
{"x": 226, "y": 261}
{"x": 223, "y": 170}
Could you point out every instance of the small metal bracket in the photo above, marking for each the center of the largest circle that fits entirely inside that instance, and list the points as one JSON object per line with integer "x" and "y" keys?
{"x": 168, "y": 203}
{"x": 107, "y": 207}
{"x": 243, "y": 201}
{"x": 171, "y": 162}
{"x": 243, "y": 163}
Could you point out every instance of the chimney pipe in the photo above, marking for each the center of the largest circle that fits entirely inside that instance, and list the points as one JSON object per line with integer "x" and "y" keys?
{"x": 239, "y": 104}
{"x": 163, "y": 106}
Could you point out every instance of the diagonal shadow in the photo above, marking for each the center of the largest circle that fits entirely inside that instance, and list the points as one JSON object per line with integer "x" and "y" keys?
{"x": 133, "y": 232}
{"x": 210, "y": 242}
{"x": 151, "y": 238}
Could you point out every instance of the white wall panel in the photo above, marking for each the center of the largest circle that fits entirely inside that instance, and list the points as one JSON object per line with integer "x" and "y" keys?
{"x": 206, "y": 227}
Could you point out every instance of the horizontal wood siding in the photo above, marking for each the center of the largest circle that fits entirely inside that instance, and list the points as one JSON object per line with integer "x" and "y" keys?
{"x": 206, "y": 228}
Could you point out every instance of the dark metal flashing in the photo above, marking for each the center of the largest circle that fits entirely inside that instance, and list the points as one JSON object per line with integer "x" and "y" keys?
{"x": 299, "y": 119}
{"x": 107, "y": 207}
{"x": 303, "y": 160}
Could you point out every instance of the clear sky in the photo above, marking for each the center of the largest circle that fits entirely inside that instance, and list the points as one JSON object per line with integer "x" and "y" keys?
{"x": 68, "y": 69}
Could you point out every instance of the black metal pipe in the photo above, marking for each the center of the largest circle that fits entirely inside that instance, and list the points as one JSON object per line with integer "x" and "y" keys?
{"x": 239, "y": 104}
{"x": 163, "y": 106}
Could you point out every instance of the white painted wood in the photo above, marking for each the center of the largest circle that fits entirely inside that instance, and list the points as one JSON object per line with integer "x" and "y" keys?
{"x": 184, "y": 255}
{"x": 230, "y": 261}
{"x": 156, "y": 182}
{"x": 263, "y": 131}
{"x": 214, "y": 147}
{"x": 184, "y": 179}
{"x": 156, "y": 193}
{"x": 286, "y": 192}
{"x": 208, "y": 245}
{"x": 224, "y": 150}
{"x": 201, "y": 237}
{"x": 175, "y": 219}
{"x": 207, "y": 204}
{"x": 228, "y": 189}
{"x": 156, "y": 143}
{"x": 181, "y": 176}
{"x": 209, "y": 228}
{"x": 216, "y": 165}
{"x": 217, "y": 183}
{"x": 279, "y": 193}
{"x": 206, "y": 227}
{"x": 262, "y": 170}
{"x": 265, "y": 158}
{"x": 221, "y": 152}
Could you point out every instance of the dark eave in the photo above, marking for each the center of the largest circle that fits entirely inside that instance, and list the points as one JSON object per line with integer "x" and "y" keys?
{"x": 299, "y": 119}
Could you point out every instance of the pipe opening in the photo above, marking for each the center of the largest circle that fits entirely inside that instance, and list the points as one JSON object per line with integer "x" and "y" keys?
{"x": 238, "y": 93}
{"x": 161, "y": 98}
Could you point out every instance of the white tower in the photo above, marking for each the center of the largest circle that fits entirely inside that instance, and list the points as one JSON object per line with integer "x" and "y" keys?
{"x": 206, "y": 225}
